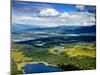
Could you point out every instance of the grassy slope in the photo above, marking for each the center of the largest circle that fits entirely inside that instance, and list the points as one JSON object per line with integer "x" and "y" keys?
{"x": 80, "y": 49}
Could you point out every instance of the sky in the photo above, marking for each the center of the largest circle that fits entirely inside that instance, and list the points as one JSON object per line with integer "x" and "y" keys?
{"x": 52, "y": 14}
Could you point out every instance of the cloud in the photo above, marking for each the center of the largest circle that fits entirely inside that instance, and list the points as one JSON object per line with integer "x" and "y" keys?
{"x": 50, "y": 17}
{"x": 80, "y": 7}
{"x": 49, "y": 12}
{"x": 65, "y": 14}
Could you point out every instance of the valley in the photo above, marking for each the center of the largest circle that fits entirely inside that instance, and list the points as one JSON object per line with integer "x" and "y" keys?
{"x": 66, "y": 51}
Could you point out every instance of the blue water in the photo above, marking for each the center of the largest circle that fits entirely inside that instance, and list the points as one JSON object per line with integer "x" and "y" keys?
{"x": 39, "y": 68}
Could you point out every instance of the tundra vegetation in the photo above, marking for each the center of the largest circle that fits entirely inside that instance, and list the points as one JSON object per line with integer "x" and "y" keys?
{"x": 69, "y": 56}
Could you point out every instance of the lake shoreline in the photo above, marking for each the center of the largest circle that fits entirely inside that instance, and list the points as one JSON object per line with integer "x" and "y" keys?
{"x": 21, "y": 65}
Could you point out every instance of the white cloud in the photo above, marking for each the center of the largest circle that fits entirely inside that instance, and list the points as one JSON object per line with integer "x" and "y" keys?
{"x": 80, "y": 7}
{"x": 49, "y": 12}
{"x": 65, "y": 14}
{"x": 57, "y": 19}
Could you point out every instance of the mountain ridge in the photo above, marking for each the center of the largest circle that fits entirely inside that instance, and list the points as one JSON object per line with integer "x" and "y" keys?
{"x": 59, "y": 29}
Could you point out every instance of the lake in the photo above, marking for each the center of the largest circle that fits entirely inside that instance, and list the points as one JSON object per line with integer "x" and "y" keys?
{"x": 39, "y": 68}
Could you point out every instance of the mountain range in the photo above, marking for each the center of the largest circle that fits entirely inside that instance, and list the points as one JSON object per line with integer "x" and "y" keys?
{"x": 60, "y": 29}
